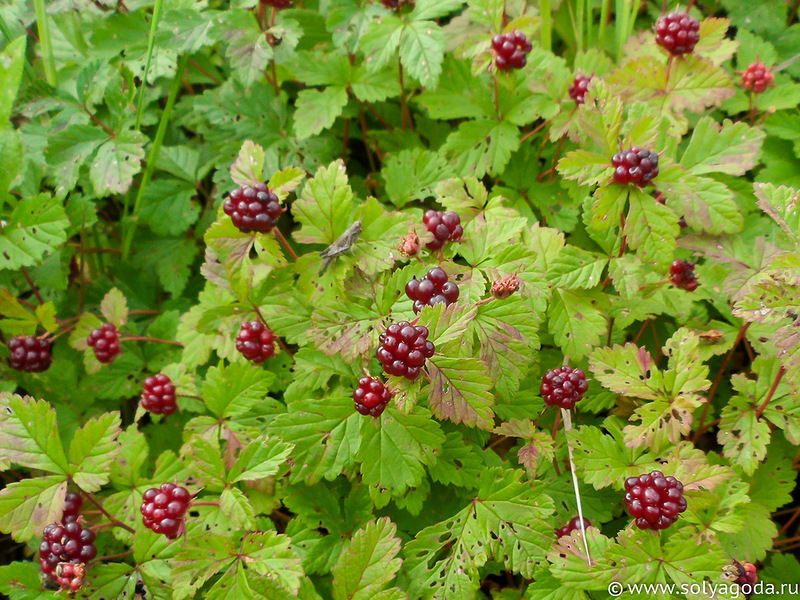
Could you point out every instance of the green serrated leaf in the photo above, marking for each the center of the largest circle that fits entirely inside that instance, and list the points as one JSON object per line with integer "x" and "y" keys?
{"x": 35, "y": 228}
{"x": 114, "y": 307}
{"x": 93, "y": 449}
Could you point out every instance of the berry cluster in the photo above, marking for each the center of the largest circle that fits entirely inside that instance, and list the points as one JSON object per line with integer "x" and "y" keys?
{"x": 574, "y": 523}
{"x": 404, "y": 348}
{"x": 68, "y": 543}
{"x": 577, "y": 91}
{"x": 393, "y": 4}
{"x": 163, "y": 509}
{"x": 444, "y": 227}
{"x": 511, "y": 50}
{"x": 255, "y": 341}
{"x": 635, "y": 165}
{"x": 746, "y": 573}
{"x": 563, "y": 387}
{"x": 29, "y": 354}
{"x": 757, "y": 78}
{"x": 105, "y": 342}
{"x": 432, "y": 289}
{"x": 682, "y": 275}
{"x": 677, "y": 32}
{"x": 70, "y": 576}
{"x": 253, "y": 208}
{"x": 654, "y": 501}
{"x": 158, "y": 395}
{"x": 371, "y": 396}
{"x": 72, "y": 506}
{"x": 503, "y": 288}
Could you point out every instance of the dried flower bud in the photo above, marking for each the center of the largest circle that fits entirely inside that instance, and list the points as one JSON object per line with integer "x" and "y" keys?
{"x": 410, "y": 245}
{"x": 503, "y": 288}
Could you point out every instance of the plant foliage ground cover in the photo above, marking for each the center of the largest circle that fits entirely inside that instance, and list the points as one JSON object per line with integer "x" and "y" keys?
{"x": 670, "y": 275}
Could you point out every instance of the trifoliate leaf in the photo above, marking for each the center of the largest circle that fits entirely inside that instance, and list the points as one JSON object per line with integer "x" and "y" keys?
{"x": 92, "y": 450}
{"x": 325, "y": 206}
{"x": 29, "y": 435}
{"x": 27, "y": 506}
{"x": 232, "y": 390}
{"x": 35, "y": 228}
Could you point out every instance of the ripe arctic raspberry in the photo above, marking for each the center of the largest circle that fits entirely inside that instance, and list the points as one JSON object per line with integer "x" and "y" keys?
{"x": 677, "y": 32}
{"x": 163, "y": 509}
{"x": 563, "y": 387}
{"x": 746, "y": 573}
{"x": 444, "y": 227}
{"x": 510, "y": 50}
{"x": 158, "y": 395}
{"x": 503, "y": 288}
{"x": 72, "y": 507}
{"x": 757, "y": 78}
{"x": 67, "y": 543}
{"x": 577, "y": 91}
{"x": 681, "y": 274}
{"x": 29, "y": 354}
{"x": 253, "y": 208}
{"x": 654, "y": 501}
{"x": 574, "y": 523}
{"x": 432, "y": 289}
{"x": 404, "y": 348}
{"x": 105, "y": 343}
{"x": 255, "y": 341}
{"x": 635, "y": 165}
{"x": 371, "y": 396}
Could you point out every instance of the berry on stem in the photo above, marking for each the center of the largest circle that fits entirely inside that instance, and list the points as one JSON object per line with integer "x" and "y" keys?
{"x": 677, "y": 32}
{"x": 29, "y": 354}
{"x": 68, "y": 543}
{"x": 163, "y": 509}
{"x": 255, "y": 341}
{"x": 70, "y": 576}
{"x": 635, "y": 165}
{"x": 682, "y": 275}
{"x": 746, "y": 573}
{"x": 654, "y": 501}
{"x": 574, "y": 523}
{"x": 393, "y": 4}
{"x": 72, "y": 506}
{"x": 253, "y": 208}
{"x": 105, "y": 343}
{"x": 577, "y": 91}
{"x": 371, "y": 396}
{"x": 158, "y": 395}
{"x": 757, "y": 78}
{"x": 434, "y": 288}
{"x": 404, "y": 348}
{"x": 563, "y": 387}
{"x": 444, "y": 227}
{"x": 511, "y": 50}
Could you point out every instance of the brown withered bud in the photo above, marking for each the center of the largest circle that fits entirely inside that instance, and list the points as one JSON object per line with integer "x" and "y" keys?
{"x": 410, "y": 244}
{"x": 503, "y": 288}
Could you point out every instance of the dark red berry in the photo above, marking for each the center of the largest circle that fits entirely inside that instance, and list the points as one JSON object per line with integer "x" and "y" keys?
{"x": 29, "y": 354}
{"x": 511, "y": 50}
{"x": 69, "y": 543}
{"x": 72, "y": 506}
{"x": 434, "y": 288}
{"x": 158, "y": 395}
{"x": 677, "y": 32}
{"x": 635, "y": 165}
{"x": 563, "y": 387}
{"x": 757, "y": 78}
{"x": 444, "y": 227}
{"x": 163, "y": 509}
{"x": 682, "y": 275}
{"x": 577, "y": 91}
{"x": 404, "y": 348}
{"x": 253, "y": 208}
{"x": 70, "y": 575}
{"x": 574, "y": 523}
{"x": 255, "y": 341}
{"x": 393, "y": 4}
{"x": 746, "y": 573}
{"x": 654, "y": 501}
{"x": 105, "y": 343}
{"x": 277, "y": 3}
{"x": 371, "y": 396}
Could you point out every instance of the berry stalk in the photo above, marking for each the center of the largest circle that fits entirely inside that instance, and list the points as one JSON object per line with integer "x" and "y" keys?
{"x": 144, "y": 338}
{"x": 105, "y": 513}
{"x": 284, "y": 243}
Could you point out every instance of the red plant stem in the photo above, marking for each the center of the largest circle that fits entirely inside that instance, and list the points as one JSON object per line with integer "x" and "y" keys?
{"x": 32, "y": 285}
{"x": 787, "y": 541}
{"x": 284, "y": 243}
{"x": 284, "y": 347}
{"x": 111, "y": 557}
{"x": 556, "y": 424}
{"x": 536, "y": 130}
{"x": 716, "y": 383}
{"x": 103, "y": 526}
{"x": 610, "y": 330}
{"x": 658, "y": 344}
{"x": 403, "y": 105}
{"x": 144, "y": 338}
{"x": 345, "y": 139}
{"x": 641, "y": 332}
{"x": 99, "y": 506}
{"x": 378, "y": 116}
{"x": 204, "y": 503}
{"x": 771, "y": 392}
{"x": 197, "y": 66}
{"x": 790, "y": 521}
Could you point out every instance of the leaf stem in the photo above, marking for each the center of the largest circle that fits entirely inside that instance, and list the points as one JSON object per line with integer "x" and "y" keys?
{"x": 204, "y": 503}
{"x": 285, "y": 244}
{"x": 790, "y": 521}
{"x": 99, "y": 506}
{"x": 43, "y": 25}
{"x": 712, "y": 391}
{"x": 536, "y": 130}
{"x": 405, "y": 115}
{"x": 151, "y": 42}
{"x": 111, "y": 557}
{"x": 143, "y": 338}
{"x": 32, "y": 285}
{"x": 771, "y": 392}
